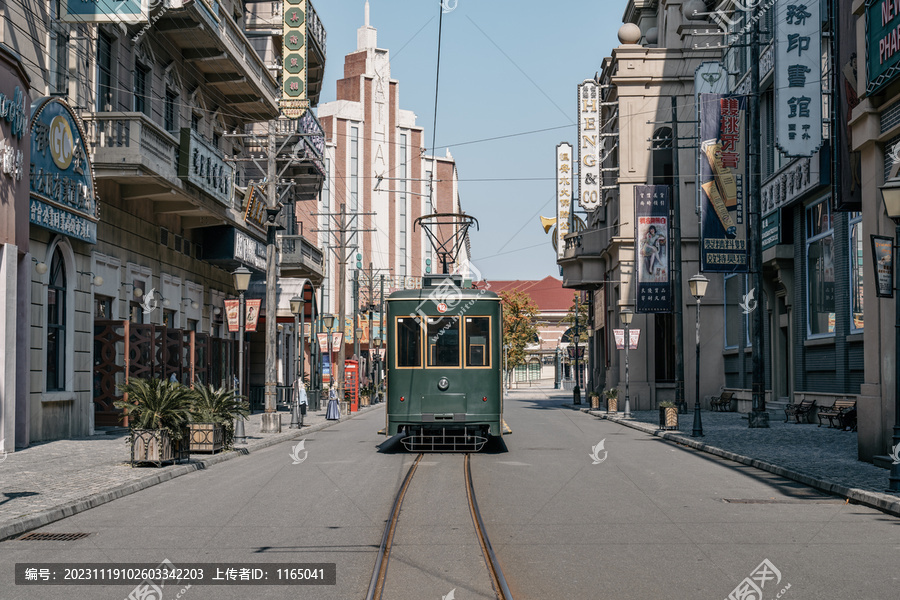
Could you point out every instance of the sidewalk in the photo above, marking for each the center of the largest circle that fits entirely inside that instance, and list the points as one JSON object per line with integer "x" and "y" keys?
{"x": 49, "y": 481}
{"x": 821, "y": 457}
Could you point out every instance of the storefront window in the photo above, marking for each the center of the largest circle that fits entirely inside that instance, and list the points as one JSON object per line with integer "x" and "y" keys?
{"x": 856, "y": 272}
{"x": 820, "y": 270}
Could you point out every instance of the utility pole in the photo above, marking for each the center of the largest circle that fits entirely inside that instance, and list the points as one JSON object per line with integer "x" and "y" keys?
{"x": 758, "y": 417}
{"x": 271, "y": 420}
{"x": 356, "y": 314}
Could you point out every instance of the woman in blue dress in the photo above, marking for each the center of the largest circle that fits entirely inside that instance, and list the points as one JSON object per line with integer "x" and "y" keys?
{"x": 333, "y": 413}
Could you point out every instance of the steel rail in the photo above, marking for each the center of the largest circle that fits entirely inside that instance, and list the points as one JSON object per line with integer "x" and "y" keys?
{"x": 379, "y": 573}
{"x": 497, "y": 579}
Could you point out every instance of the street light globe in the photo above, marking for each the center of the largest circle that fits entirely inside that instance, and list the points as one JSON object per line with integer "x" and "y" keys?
{"x": 241, "y": 278}
{"x": 626, "y": 315}
{"x": 378, "y": 342}
{"x": 327, "y": 320}
{"x": 297, "y": 305}
{"x": 697, "y": 285}
{"x": 138, "y": 292}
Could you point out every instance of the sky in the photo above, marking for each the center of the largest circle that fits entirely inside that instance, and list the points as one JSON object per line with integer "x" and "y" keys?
{"x": 506, "y": 68}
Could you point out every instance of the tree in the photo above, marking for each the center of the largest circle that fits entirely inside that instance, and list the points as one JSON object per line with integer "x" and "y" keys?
{"x": 519, "y": 325}
{"x": 569, "y": 319}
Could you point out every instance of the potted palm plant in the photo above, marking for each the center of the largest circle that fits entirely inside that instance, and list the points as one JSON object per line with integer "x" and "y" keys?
{"x": 213, "y": 411}
{"x": 668, "y": 415}
{"x": 595, "y": 400}
{"x": 612, "y": 399}
{"x": 158, "y": 413}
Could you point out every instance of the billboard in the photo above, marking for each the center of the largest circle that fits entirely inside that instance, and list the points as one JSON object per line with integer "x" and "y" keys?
{"x": 588, "y": 145}
{"x": 294, "y": 101}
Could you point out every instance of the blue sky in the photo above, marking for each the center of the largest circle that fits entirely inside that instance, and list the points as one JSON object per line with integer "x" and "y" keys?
{"x": 506, "y": 68}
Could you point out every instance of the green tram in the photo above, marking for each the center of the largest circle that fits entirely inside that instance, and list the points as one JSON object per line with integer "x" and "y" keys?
{"x": 444, "y": 378}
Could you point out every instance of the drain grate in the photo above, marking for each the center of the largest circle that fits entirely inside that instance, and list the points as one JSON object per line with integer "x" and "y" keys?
{"x": 54, "y": 537}
{"x": 781, "y": 501}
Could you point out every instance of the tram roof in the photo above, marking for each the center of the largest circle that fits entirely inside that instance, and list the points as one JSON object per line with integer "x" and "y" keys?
{"x": 431, "y": 292}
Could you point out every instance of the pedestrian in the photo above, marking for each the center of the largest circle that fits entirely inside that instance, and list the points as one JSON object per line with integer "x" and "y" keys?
{"x": 302, "y": 399}
{"x": 334, "y": 410}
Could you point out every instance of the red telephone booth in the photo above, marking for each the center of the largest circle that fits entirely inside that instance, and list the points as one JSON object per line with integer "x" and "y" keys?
{"x": 351, "y": 383}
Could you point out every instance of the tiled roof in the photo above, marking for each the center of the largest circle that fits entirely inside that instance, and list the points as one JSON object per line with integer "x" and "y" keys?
{"x": 548, "y": 293}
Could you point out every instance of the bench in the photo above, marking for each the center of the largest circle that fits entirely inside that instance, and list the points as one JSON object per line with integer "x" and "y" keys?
{"x": 722, "y": 402}
{"x": 837, "y": 411}
{"x": 798, "y": 410}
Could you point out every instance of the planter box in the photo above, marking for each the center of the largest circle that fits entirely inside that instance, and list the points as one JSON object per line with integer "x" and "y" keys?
{"x": 595, "y": 402}
{"x": 363, "y": 400}
{"x": 612, "y": 405}
{"x": 668, "y": 417}
{"x": 207, "y": 437}
{"x": 156, "y": 446}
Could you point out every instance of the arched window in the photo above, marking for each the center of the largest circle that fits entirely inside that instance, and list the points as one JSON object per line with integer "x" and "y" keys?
{"x": 56, "y": 324}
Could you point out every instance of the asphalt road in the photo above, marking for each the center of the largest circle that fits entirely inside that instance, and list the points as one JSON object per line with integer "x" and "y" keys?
{"x": 650, "y": 520}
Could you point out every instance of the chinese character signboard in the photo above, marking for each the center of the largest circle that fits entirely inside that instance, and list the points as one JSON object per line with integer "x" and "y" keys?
{"x": 105, "y": 11}
{"x": 723, "y": 159}
{"x": 563, "y": 195}
{"x": 293, "y": 97}
{"x": 798, "y": 77}
{"x": 588, "y": 144}
{"x": 883, "y": 261}
{"x": 882, "y": 43}
{"x": 62, "y": 179}
{"x": 651, "y": 210}
{"x": 255, "y": 208}
{"x": 771, "y": 230}
{"x": 847, "y": 163}
{"x": 204, "y": 166}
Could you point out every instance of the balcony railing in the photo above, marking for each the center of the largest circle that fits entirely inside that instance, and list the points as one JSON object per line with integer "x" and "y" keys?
{"x": 119, "y": 139}
{"x": 296, "y": 253}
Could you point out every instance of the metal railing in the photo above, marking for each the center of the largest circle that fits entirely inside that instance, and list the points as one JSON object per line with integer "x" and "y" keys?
{"x": 297, "y": 251}
{"x": 130, "y": 138}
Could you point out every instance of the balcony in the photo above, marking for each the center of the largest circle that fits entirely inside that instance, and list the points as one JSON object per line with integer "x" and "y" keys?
{"x": 582, "y": 265}
{"x": 297, "y": 257}
{"x": 129, "y": 146}
{"x": 214, "y": 45}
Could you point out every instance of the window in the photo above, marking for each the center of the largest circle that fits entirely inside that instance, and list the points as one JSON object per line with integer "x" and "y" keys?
{"x": 56, "y": 324}
{"x": 856, "y": 272}
{"x": 478, "y": 341}
{"x": 401, "y": 240}
{"x": 409, "y": 343}
{"x": 168, "y": 318}
{"x": 443, "y": 342}
{"x": 104, "y": 73}
{"x": 171, "y": 120}
{"x": 59, "y": 40}
{"x": 102, "y": 307}
{"x": 354, "y": 169}
{"x": 195, "y": 122}
{"x": 141, "y": 85}
{"x": 734, "y": 290}
{"x": 820, "y": 269}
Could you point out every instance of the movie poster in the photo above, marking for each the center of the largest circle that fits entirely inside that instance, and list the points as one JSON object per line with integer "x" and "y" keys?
{"x": 654, "y": 288}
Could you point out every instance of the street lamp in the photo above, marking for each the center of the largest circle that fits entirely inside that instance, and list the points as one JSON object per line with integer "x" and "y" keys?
{"x": 627, "y": 316}
{"x": 241, "y": 277}
{"x": 698, "y": 284}
{"x": 376, "y": 369}
{"x": 297, "y": 305}
{"x": 506, "y": 364}
{"x": 890, "y": 195}
{"x": 557, "y": 383}
{"x": 328, "y": 322}
{"x": 576, "y": 393}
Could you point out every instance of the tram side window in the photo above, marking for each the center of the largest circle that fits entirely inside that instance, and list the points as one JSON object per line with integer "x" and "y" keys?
{"x": 478, "y": 335}
{"x": 443, "y": 342}
{"x": 409, "y": 340}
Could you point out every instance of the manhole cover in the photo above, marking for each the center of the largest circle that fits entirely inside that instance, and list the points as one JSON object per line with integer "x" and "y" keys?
{"x": 54, "y": 537}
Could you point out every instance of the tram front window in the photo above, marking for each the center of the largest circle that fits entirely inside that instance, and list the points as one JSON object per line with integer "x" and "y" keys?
{"x": 478, "y": 350}
{"x": 443, "y": 342}
{"x": 409, "y": 336}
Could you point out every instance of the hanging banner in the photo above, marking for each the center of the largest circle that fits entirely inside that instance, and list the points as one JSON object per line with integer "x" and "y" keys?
{"x": 588, "y": 148}
{"x": 563, "y": 195}
{"x": 847, "y": 172}
{"x": 337, "y": 339}
{"x": 323, "y": 342}
{"x": 883, "y": 261}
{"x": 651, "y": 210}
{"x": 232, "y": 312}
{"x": 252, "y": 314}
{"x": 634, "y": 336}
{"x": 723, "y": 168}
{"x": 294, "y": 101}
{"x": 798, "y": 77}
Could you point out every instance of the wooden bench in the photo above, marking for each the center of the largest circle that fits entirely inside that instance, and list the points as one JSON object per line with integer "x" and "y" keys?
{"x": 722, "y": 402}
{"x": 798, "y": 410}
{"x": 836, "y": 411}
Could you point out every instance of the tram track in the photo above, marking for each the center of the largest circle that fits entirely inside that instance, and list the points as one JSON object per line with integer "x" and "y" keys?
{"x": 380, "y": 571}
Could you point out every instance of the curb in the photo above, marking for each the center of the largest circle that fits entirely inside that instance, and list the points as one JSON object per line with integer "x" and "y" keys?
{"x": 50, "y": 515}
{"x": 883, "y": 502}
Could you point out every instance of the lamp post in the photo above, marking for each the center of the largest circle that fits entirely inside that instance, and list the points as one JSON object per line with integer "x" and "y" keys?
{"x": 698, "y": 284}
{"x": 557, "y": 383}
{"x": 241, "y": 277}
{"x": 506, "y": 365}
{"x": 376, "y": 368}
{"x": 576, "y": 393}
{"x": 627, "y": 316}
{"x": 890, "y": 195}
{"x": 297, "y": 305}
{"x": 328, "y": 322}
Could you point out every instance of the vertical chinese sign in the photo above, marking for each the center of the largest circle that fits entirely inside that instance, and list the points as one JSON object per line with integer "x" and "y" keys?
{"x": 723, "y": 166}
{"x": 651, "y": 210}
{"x": 563, "y": 195}
{"x": 588, "y": 144}
{"x": 798, "y": 77}
{"x": 293, "y": 97}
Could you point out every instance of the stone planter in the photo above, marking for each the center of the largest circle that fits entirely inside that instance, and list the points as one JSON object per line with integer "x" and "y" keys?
{"x": 668, "y": 418}
{"x": 363, "y": 401}
{"x": 156, "y": 446}
{"x": 595, "y": 402}
{"x": 612, "y": 405}
{"x": 207, "y": 437}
